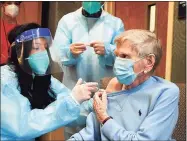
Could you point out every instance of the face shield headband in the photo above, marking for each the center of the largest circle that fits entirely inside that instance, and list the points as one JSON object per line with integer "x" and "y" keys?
{"x": 32, "y": 34}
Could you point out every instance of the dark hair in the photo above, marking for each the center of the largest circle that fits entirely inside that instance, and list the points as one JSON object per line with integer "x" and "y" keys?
{"x": 35, "y": 89}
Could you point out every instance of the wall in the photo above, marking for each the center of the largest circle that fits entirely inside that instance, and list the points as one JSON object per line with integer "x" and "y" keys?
{"x": 161, "y": 31}
{"x": 30, "y": 12}
{"x": 178, "y": 72}
{"x": 132, "y": 14}
{"x": 57, "y": 10}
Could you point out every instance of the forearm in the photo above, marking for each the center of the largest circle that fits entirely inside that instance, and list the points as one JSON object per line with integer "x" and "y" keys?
{"x": 34, "y": 123}
{"x": 67, "y": 58}
{"x": 90, "y": 132}
{"x": 117, "y": 132}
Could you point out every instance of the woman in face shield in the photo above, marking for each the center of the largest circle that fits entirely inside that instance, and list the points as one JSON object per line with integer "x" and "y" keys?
{"x": 33, "y": 102}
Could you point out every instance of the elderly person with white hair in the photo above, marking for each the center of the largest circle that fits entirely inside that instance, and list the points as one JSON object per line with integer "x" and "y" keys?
{"x": 139, "y": 106}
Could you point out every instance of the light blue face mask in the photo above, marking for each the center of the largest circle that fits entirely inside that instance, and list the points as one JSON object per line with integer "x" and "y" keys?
{"x": 123, "y": 70}
{"x": 39, "y": 62}
{"x": 91, "y": 6}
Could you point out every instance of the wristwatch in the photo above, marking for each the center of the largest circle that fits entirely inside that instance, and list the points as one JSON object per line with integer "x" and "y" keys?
{"x": 106, "y": 119}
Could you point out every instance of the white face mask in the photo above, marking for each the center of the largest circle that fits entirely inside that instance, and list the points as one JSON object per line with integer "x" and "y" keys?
{"x": 12, "y": 10}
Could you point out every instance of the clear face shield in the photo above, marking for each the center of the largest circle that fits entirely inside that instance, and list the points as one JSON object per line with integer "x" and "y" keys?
{"x": 35, "y": 52}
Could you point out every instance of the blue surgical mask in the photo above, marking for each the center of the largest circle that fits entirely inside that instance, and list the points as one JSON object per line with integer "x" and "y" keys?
{"x": 39, "y": 62}
{"x": 91, "y": 7}
{"x": 123, "y": 70}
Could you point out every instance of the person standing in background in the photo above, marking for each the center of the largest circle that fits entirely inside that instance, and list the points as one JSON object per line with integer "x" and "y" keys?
{"x": 85, "y": 38}
{"x": 7, "y": 21}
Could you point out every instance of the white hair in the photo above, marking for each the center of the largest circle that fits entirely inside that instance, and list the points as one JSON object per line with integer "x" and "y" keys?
{"x": 144, "y": 42}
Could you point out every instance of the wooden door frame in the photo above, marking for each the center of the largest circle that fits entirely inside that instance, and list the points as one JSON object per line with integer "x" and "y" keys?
{"x": 110, "y": 7}
{"x": 169, "y": 44}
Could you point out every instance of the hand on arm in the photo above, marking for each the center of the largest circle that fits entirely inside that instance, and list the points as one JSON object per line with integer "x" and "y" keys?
{"x": 100, "y": 106}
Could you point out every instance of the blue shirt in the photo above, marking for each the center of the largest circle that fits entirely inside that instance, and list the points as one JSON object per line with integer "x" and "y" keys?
{"x": 146, "y": 112}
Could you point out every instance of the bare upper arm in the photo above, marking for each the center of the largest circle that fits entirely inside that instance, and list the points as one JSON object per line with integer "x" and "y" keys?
{"x": 113, "y": 86}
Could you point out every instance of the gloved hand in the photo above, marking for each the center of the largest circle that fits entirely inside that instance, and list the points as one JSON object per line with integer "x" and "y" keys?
{"x": 77, "y": 48}
{"x": 99, "y": 47}
{"x": 82, "y": 92}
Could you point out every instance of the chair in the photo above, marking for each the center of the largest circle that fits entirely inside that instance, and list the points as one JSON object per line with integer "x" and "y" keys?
{"x": 180, "y": 130}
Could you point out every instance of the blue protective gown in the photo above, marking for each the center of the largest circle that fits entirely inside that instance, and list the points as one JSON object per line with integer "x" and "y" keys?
{"x": 19, "y": 122}
{"x": 76, "y": 28}
{"x": 146, "y": 112}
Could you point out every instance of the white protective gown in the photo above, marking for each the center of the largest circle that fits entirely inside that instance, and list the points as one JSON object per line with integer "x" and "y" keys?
{"x": 76, "y": 28}
{"x": 19, "y": 122}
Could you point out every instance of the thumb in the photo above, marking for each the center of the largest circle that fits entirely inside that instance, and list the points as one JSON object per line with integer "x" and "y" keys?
{"x": 79, "y": 82}
{"x": 104, "y": 97}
